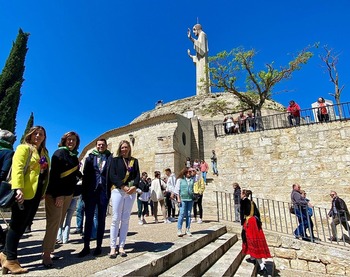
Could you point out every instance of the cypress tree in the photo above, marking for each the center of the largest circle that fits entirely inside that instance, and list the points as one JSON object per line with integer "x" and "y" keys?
{"x": 30, "y": 124}
{"x": 11, "y": 80}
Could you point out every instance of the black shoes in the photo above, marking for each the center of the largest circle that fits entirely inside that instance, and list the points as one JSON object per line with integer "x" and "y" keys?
{"x": 112, "y": 256}
{"x": 97, "y": 251}
{"x": 77, "y": 231}
{"x": 123, "y": 254}
{"x": 263, "y": 271}
{"x": 84, "y": 252}
{"x": 250, "y": 260}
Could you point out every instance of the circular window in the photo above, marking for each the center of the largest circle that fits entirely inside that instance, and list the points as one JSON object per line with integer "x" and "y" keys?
{"x": 184, "y": 138}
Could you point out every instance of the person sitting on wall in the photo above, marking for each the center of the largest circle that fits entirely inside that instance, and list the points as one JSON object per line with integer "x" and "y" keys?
{"x": 242, "y": 121}
{"x": 235, "y": 127}
{"x": 293, "y": 113}
{"x": 228, "y": 125}
{"x": 251, "y": 121}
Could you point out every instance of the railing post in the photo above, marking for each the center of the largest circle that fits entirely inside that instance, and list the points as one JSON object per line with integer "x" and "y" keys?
{"x": 217, "y": 205}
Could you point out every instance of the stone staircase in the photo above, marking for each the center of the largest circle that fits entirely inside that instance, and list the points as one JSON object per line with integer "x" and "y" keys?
{"x": 211, "y": 252}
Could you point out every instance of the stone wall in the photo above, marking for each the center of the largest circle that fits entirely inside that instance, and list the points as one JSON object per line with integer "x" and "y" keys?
{"x": 294, "y": 257}
{"x": 291, "y": 255}
{"x": 315, "y": 156}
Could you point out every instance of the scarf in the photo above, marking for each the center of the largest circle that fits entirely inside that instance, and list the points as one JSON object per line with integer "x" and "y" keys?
{"x": 5, "y": 145}
{"x": 96, "y": 153}
{"x": 72, "y": 153}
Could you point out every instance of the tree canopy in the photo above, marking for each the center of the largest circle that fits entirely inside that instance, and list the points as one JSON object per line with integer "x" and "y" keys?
{"x": 227, "y": 67}
{"x": 11, "y": 80}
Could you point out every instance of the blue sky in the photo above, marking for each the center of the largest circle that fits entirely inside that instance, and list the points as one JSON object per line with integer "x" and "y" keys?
{"x": 93, "y": 66}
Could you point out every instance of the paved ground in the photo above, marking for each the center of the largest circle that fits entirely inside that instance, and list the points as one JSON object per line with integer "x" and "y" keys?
{"x": 141, "y": 238}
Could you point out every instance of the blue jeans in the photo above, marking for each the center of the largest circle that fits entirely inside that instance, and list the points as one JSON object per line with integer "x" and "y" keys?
{"x": 185, "y": 212}
{"x": 204, "y": 175}
{"x": 303, "y": 222}
{"x": 80, "y": 218}
{"x": 215, "y": 167}
{"x": 63, "y": 231}
{"x": 80, "y": 214}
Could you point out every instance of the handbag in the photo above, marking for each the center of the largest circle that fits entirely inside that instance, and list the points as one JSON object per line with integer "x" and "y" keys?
{"x": 196, "y": 197}
{"x": 291, "y": 209}
{"x": 7, "y": 194}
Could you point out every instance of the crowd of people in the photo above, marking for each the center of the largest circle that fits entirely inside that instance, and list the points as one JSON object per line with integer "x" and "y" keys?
{"x": 202, "y": 166}
{"x": 68, "y": 186}
{"x": 241, "y": 124}
{"x": 105, "y": 179}
{"x": 248, "y": 122}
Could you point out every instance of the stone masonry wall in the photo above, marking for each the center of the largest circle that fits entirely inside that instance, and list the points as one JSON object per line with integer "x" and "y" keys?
{"x": 315, "y": 156}
{"x": 291, "y": 255}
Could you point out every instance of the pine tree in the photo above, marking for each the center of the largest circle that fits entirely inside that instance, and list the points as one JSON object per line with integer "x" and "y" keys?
{"x": 30, "y": 124}
{"x": 11, "y": 80}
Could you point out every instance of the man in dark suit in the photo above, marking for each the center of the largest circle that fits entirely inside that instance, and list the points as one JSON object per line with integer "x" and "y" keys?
{"x": 95, "y": 194}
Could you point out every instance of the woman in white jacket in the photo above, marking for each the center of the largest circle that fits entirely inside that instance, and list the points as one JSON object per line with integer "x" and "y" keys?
{"x": 157, "y": 196}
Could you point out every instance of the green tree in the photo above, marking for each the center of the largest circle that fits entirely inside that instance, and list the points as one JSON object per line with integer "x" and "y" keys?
{"x": 11, "y": 80}
{"x": 30, "y": 124}
{"x": 227, "y": 67}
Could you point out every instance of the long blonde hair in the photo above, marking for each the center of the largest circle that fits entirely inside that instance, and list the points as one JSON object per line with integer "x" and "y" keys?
{"x": 120, "y": 146}
{"x": 27, "y": 137}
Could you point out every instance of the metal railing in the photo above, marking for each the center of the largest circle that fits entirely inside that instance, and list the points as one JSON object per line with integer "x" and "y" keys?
{"x": 336, "y": 112}
{"x": 276, "y": 216}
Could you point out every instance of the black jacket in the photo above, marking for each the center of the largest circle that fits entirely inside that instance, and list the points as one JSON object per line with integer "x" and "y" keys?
{"x": 117, "y": 171}
{"x": 342, "y": 209}
{"x": 62, "y": 161}
{"x": 245, "y": 210}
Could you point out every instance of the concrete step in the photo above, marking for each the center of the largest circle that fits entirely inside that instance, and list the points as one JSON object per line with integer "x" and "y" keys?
{"x": 201, "y": 260}
{"x": 246, "y": 269}
{"x": 228, "y": 264}
{"x": 154, "y": 263}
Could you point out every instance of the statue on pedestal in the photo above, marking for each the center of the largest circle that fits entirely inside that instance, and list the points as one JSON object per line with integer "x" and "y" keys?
{"x": 200, "y": 59}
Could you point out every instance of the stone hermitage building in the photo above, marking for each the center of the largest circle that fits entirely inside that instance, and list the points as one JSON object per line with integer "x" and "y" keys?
{"x": 316, "y": 156}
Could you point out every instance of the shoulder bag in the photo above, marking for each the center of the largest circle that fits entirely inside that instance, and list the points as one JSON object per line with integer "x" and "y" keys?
{"x": 7, "y": 194}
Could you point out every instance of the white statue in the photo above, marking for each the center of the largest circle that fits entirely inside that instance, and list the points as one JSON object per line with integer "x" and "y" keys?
{"x": 200, "y": 59}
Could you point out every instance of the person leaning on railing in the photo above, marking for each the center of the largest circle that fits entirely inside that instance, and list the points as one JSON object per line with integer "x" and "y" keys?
{"x": 293, "y": 113}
